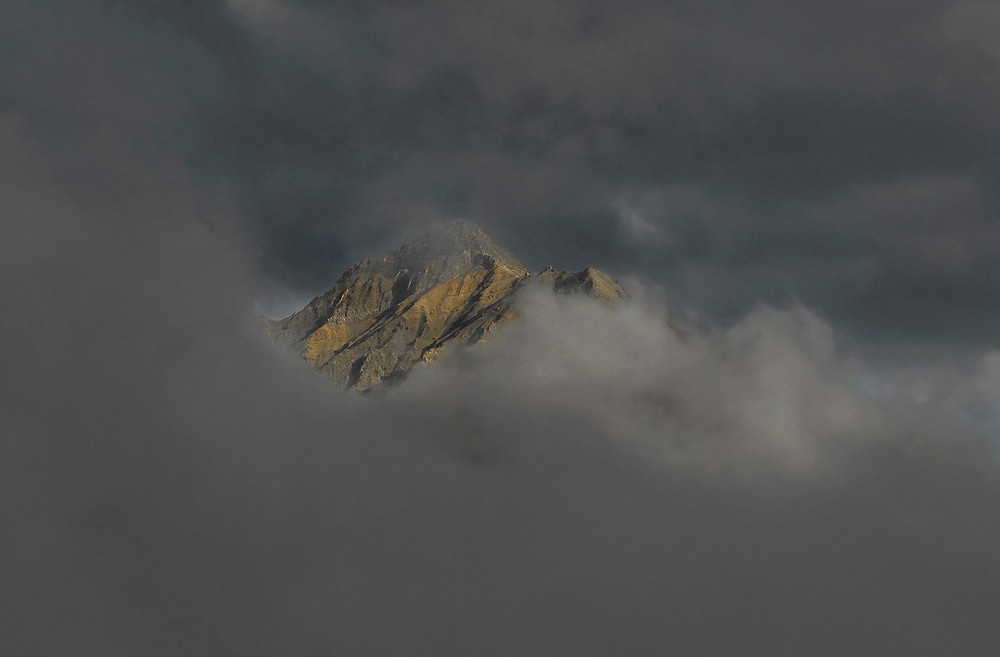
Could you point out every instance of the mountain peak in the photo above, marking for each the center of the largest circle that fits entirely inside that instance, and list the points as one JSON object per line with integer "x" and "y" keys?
{"x": 450, "y": 247}
{"x": 456, "y": 233}
{"x": 450, "y": 285}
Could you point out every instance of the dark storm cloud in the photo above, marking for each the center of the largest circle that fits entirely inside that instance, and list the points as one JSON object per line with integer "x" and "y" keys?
{"x": 343, "y": 127}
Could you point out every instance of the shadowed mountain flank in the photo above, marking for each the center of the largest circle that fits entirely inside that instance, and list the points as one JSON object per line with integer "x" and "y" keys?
{"x": 450, "y": 286}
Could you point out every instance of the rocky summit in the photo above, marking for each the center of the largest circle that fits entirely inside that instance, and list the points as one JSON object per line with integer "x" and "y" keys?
{"x": 450, "y": 286}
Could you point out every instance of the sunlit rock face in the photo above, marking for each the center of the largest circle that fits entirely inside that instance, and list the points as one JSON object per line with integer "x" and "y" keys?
{"x": 448, "y": 287}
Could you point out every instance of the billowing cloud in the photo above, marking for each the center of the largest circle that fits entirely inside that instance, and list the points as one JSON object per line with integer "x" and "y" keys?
{"x": 589, "y": 482}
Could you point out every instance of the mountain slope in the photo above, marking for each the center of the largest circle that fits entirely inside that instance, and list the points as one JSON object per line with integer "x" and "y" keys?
{"x": 450, "y": 286}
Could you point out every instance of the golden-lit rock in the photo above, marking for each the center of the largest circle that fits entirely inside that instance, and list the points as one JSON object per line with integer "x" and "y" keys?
{"x": 452, "y": 285}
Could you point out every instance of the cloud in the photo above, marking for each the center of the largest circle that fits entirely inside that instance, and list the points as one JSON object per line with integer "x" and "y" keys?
{"x": 775, "y": 392}
{"x": 590, "y": 483}
{"x": 734, "y": 135}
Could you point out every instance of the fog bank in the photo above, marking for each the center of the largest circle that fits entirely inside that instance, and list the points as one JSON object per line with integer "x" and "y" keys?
{"x": 589, "y": 483}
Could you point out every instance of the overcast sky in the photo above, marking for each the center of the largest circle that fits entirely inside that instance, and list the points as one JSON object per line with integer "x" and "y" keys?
{"x": 843, "y": 154}
{"x": 816, "y": 475}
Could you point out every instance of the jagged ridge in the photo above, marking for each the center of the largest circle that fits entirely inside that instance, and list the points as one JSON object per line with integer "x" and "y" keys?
{"x": 451, "y": 285}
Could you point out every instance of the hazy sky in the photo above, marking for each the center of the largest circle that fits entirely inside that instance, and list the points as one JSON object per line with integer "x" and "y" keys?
{"x": 586, "y": 484}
